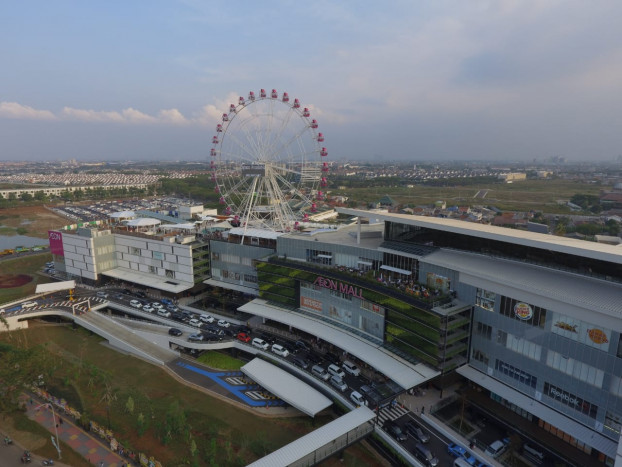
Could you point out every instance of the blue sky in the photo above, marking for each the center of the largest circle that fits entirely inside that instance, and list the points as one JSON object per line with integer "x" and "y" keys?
{"x": 396, "y": 80}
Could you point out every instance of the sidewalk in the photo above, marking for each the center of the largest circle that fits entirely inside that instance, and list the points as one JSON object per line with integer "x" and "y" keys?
{"x": 90, "y": 447}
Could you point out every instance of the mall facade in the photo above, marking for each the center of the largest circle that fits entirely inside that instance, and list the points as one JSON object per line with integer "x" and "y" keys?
{"x": 532, "y": 320}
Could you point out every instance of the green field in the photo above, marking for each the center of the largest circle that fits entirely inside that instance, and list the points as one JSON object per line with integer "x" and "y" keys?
{"x": 539, "y": 195}
{"x": 31, "y": 265}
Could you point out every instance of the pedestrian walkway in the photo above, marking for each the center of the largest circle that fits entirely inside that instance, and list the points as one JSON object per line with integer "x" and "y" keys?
{"x": 391, "y": 413}
{"x": 90, "y": 447}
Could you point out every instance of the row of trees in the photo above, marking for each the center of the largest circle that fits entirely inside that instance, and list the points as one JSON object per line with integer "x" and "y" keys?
{"x": 97, "y": 193}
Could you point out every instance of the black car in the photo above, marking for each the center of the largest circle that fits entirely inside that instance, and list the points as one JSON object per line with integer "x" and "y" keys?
{"x": 416, "y": 432}
{"x": 175, "y": 332}
{"x": 332, "y": 358}
{"x": 268, "y": 338}
{"x": 301, "y": 362}
{"x": 127, "y": 292}
{"x": 314, "y": 358}
{"x": 287, "y": 346}
{"x": 302, "y": 345}
{"x": 141, "y": 294}
{"x": 394, "y": 430}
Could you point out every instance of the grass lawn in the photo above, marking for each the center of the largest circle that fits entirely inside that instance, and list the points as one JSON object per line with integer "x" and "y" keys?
{"x": 166, "y": 417}
{"x": 220, "y": 361}
{"x": 30, "y": 265}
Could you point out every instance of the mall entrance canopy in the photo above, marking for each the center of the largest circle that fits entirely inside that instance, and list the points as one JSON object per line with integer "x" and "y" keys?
{"x": 286, "y": 387}
{"x": 406, "y": 374}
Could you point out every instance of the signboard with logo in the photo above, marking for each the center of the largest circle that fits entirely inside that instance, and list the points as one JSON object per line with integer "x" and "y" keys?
{"x": 523, "y": 311}
{"x": 56, "y": 242}
{"x": 580, "y": 331}
{"x": 310, "y": 304}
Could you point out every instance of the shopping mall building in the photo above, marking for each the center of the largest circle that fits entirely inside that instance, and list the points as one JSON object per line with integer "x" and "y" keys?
{"x": 532, "y": 320}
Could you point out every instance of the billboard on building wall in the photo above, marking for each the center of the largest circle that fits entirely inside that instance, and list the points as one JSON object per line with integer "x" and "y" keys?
{"x": 580, "y": 331}
{"x": 310, "y": 304}
{"x": 56, "y": 242}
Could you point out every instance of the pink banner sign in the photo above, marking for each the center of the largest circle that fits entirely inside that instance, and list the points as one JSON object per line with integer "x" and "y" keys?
{"x": 56, "y": 242}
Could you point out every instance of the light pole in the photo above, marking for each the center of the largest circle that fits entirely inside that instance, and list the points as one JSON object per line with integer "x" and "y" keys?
{"x": 57, "y": 443}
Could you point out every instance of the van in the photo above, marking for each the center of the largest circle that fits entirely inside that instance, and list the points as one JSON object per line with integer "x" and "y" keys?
{"x": 280, "y": 350}
{"x": 260, "y": 343}
{"x": 338, "y": 383}
{"x": 336, "y": 371}
{"x": 350, "y": 368}
{"x": 320, "y": 372}
{"x": 533, "y": 451}
{"x": 425, "y": 455}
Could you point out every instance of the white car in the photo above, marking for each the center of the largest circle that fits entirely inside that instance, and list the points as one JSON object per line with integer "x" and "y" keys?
{"x": 260, "y": 343}
{"x": 148, "y": 309}
{"x": 195, "y": 322}
{"x": 350, "y": 368}
{"x": 280, "y": 350}
{"x": 165, "y": 313}
{"x": 223, "y": 324}
{"x": 102, "y": 294}
{"x": 207, "y": 318}
{"x": 157, "y": 305}
{"x": 136, "y": 304}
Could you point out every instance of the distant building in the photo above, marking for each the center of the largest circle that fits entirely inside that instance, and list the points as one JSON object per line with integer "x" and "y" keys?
{"x": 512, "y": 177}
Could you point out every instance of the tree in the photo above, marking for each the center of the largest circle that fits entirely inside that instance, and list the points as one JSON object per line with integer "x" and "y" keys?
{"x": 26, "y": 197}
{"x": 613, "y": 227}
{"x": 129, "y": 405}
{"x": 41, "y": 196}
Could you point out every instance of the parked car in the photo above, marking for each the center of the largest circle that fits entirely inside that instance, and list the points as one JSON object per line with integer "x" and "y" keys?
{"x": 457, "y": 451}
{"x": 350, "y": 368}
{"x": 394, "y": 430}
{"x": 332, "y": 358}
{"x": 337, "y": 382}
{"x": 166, "y": 301}
{"x": 496, "y": 448}
{"x": 260, "y": 343}
{"x": 279, "y": 350}
{"x": 164, "y": 312}
{"x": 206, "y": 318}
{"x": 223, "y": 323}
{"x": 136, "y": 304}
{"x": 198, "y": 337}
{"x": 242, "y": 336}
{"x": 357, "y": 398}
{"x": 195, "y": 322}
{"x": 268, "y": 338}
{"x": 148, "y": 309}
{"x": 157, "y": 305}
{"x": 416, "y": 432}
{"x": 302, "y": 345}
{"x": 301, "y": 362}
{"x": 336, "y": 371}
{"x": 141, "y": 294}
{"x": 175, "y": 332}
{"x": 320, "y": 372}
{"x": 314, "y": 358}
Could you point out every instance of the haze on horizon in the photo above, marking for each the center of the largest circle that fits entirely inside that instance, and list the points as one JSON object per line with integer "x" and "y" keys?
{"x": 400, "y": 80}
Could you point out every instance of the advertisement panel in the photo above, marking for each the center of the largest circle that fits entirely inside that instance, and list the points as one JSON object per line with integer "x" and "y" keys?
{"x": 56, "y": 242}
{"x": 310, "y": 304}
{"x": 580, "y": 331}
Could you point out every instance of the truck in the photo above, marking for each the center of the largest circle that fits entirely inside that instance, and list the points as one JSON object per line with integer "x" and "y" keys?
{"x": 8, "y": 251}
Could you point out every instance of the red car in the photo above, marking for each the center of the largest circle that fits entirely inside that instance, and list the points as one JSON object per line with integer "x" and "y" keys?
{"x": 244, "y": 337}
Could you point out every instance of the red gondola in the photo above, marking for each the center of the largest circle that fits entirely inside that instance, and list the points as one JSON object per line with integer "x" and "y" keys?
{"x": 306, "y": 112}
{"x": 225, "y": 117}
{"x": 275, "y": 95}
{"x": 215, "y": 140}
{"x": 324, "y": 167}
{"x": 251, "y": 96}
{"x": 296, "y": 104}
{"x": 219, "y": 128}
{"x": 285, "y": 97}
{"x": 241, "y": 100}
{"x": 262, "y": 93}
{"x": 232, "y": 108}
{"x": 323, "y": 152}
{"x": 212, "y": 152}
{"x": 320, "y": 137}
{"x": 314, "y": 123}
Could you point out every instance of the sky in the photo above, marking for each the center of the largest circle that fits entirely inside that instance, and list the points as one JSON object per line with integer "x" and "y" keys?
{"x": 498, "y": 80}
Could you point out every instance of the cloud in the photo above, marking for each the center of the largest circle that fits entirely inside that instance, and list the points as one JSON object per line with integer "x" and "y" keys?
{"x": 13, "y": 110}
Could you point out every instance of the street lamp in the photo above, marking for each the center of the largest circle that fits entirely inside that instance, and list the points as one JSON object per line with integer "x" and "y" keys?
{"x": 57, "y": 442}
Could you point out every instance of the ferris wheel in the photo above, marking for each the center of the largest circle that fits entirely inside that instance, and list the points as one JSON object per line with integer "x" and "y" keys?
{"x": 268, "y": 162}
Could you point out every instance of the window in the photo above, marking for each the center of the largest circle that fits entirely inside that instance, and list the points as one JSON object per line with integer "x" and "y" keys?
{"x": 570, "y": 400}
{"x": 483, "y": 330}
{"x": 575, "y": 368}
{"x": 135, "y": 251}
{"x": 250, "y": 278}
{"x": 169, "y": 273}
{"x": 515, "y": 373}
{"x": 216, "y": 256}
{"x": 480, "y": 356}
{"x": 613, "y": 422}
{"x": 524, "y": 347}
{"x": 153, "y": 270}
{"x": 485, "y": 299}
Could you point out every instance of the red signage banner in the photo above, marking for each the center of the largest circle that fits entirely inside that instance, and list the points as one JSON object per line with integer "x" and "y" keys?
{"x": 56, "y": 242}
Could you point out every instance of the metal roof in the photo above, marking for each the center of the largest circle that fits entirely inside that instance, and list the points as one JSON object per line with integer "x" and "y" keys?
{"x": 150, "y": 280}
{"x": 567, "y": 245}
{"x": 229, "y": 285}
{"x": 315, "y": 440}
{"x": 287, "y": 387}
{"x": 253, "y": 232}
{"x": 549, "y": 415}
{"x": 561, "y": 286}
{"x": 402, "y": 372}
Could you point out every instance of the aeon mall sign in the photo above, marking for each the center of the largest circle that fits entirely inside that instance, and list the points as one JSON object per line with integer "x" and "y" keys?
{"x": 339, "y": 286}
{"x": 56, "y": 242}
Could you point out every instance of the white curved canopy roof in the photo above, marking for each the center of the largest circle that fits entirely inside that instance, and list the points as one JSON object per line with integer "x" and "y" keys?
{"x": 122, "y": 214}
{"x": 143, "y": 222}
{"x": 179, "y": 226}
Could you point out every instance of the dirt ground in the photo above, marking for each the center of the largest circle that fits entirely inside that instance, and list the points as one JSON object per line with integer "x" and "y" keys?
{"x": 37, "y": 220}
